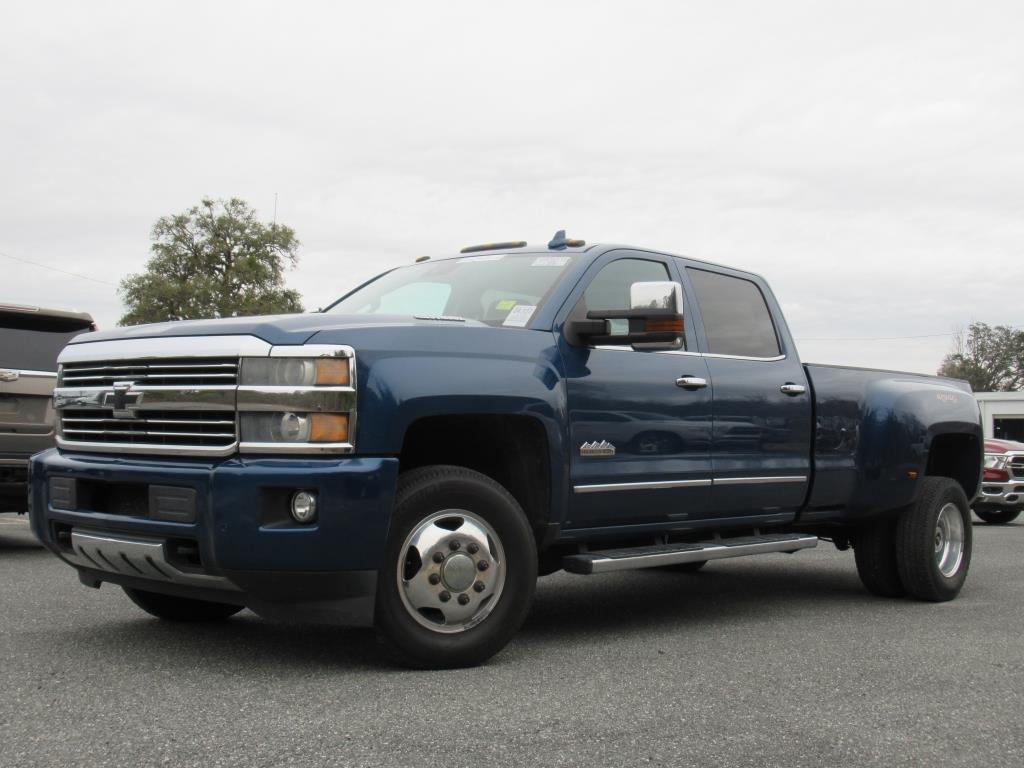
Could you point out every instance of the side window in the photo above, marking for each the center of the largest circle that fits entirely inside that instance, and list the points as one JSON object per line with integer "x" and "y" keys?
{"x": 736, "y": 317}
{"x": 610, "y": 287}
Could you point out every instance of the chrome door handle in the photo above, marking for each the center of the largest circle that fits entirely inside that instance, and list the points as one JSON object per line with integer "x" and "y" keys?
{"x": 691, "y": 382}
{"x": 789, "y": 388}
{"x": 8, "y": 375}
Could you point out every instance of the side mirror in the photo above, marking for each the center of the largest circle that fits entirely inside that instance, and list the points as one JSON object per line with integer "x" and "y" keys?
{"x": 654, "y": 318}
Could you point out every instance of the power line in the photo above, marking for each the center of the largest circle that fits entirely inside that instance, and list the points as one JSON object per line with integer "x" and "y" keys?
{"x": 57, "y": 269}
{"x": 882, "y": 338}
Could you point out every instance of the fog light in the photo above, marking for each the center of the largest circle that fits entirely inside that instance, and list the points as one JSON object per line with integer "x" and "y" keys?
{"x": 304, "y": 507}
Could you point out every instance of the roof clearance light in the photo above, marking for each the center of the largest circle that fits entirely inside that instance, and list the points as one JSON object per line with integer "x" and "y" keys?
{"x": 494, "y": 246}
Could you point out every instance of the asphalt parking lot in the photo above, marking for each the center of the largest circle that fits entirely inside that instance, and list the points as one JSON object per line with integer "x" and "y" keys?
{"x": 776, "y": 660}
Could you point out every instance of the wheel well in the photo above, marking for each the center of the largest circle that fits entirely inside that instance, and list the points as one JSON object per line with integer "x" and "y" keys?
{"x": 512, "y": 450}
{"x": 956, "y": 456}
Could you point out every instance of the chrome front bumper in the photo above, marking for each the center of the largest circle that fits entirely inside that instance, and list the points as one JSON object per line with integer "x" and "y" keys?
{"x": 1009, "y": 494}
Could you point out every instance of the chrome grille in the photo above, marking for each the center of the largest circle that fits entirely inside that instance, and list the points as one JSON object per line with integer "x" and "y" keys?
{"x": 213, "y": 429}
{"x": 1016, "y": 467}
{"x": 166, "y": 372}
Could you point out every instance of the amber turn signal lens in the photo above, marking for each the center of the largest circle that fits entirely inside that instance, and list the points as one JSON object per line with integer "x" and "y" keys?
{"x": 328, "y": 428}
{"x": 666, "y": 325}
{"x": 332, "y": 372}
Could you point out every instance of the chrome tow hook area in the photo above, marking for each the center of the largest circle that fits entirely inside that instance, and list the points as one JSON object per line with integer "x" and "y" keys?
{"x": 451, "y": 573}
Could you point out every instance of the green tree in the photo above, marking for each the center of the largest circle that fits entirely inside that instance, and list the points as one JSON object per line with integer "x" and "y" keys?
{"x": 214, "y": 260}
{"x": 991, "y": 358}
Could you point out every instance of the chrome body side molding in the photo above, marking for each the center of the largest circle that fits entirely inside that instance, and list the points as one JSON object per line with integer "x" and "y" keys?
{"x": 640, "y": 486}
{"x": 645, "y": 486}
{"x": 760, "y": 480}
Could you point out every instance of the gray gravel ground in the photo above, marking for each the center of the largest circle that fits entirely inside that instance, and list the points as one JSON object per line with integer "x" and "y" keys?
{"x": 776, "y": 660}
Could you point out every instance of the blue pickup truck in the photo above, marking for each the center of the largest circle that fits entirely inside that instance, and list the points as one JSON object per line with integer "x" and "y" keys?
{"x": 415, "y": 455}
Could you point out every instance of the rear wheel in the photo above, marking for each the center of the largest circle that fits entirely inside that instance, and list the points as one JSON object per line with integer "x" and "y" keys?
{"x": 933, "y": 541}
{"x": 874, "y": 547}
{"x": 173, "y": 608}
{"x": 459, "y": 572}
{"x": 997, "y": 516}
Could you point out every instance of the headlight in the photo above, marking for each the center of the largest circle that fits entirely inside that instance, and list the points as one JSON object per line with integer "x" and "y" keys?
{"x": 299, "y": 399}
{"x": 295, "y": 372}
{"x": 291, "y": 427}
{"x": 995, "y": 461}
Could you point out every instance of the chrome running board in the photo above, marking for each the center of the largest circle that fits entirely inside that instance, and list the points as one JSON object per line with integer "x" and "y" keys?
{"x": 608, "y": 560}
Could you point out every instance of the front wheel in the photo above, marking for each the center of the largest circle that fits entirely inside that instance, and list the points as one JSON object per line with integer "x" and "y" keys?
{"x": 459, "y": 571}
{"x": 933, "y": 541}
{"x": 172, "y": 608}
{"x": 997, "y": 516}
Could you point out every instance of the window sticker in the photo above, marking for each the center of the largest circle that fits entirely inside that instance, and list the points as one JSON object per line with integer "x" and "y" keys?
{"x": 550, "y": 261}
{"x": 520, "y": 315}
{"x": 505, "y": 304}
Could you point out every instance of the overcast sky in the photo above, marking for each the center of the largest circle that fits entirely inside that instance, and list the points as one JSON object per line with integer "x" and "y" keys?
{"x": 866, "y": 158}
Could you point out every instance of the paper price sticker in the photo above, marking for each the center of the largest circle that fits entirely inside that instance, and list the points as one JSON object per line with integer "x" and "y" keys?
{"x": 520, "y": 315}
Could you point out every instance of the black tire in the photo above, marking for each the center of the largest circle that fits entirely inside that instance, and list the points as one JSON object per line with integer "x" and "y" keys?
{"x": 684, "y": 567}
{"x": 997, "y": 516}
{"x": 917, "y": 540}
{"x": 172, "y": 608}
{"x": 874, "y": 548}
{"x": 422, "y": 494}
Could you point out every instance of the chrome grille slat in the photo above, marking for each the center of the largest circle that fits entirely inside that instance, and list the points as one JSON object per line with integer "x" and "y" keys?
{"x": 222, "y": 423}
{"x": 188, "y": 429}
{"x": 130, "y": 433}
{"x": 151, "y": 372}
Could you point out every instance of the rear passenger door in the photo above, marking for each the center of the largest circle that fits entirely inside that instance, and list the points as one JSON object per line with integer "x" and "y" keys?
{"x": 761, "y": 434}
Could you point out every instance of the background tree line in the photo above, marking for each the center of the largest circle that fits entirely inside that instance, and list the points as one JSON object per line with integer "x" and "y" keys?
{"x": 991, "y": 358}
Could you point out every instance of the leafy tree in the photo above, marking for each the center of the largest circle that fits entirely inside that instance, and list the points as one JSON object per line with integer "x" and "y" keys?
{"x": 991, "y": 358}
{"x": 214, "y": 260}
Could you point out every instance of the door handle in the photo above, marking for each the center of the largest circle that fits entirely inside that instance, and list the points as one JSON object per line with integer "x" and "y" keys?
{"x": 8, "y": 375}
{"x": 691, "y": 382}
{"x": 791, "y": 389}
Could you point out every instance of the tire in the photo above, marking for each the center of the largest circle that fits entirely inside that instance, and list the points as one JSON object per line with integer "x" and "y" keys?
{"x": 874, "y": 548}
{"x": 172, "y": 608}
{"x": 684, "y": 567}
{"x": 997, "y": 516}
{"x": 933, "y": 541}
{"x": 437, "y": 509}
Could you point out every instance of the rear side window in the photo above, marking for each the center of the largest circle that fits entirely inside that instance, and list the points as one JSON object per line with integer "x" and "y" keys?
{"x": 736, "y": 317}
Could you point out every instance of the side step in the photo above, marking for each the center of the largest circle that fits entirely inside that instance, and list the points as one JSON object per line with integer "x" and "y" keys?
{"x": 607, "y": 560}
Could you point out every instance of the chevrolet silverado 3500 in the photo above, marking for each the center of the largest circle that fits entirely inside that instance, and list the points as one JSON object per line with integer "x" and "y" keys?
{"x": 415, "y": 455}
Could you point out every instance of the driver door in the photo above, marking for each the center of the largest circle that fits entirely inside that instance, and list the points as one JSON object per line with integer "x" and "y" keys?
{"x": 640, "y": 443}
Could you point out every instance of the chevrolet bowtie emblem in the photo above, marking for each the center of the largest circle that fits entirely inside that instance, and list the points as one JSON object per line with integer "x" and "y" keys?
{"x": 122, "y": 400}
{"x": 603, "y": 448}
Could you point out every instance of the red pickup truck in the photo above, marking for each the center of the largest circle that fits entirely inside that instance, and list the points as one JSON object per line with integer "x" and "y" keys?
{"x": 1002, "y": 487}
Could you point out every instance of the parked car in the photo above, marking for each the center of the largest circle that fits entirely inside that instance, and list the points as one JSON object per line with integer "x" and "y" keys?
{"x": 30, "y": 339}
{"x": 414, "y": 456}
{"x": 1002, "y": 487}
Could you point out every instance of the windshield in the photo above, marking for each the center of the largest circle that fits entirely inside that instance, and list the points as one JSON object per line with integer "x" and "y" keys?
{"x": 497, "y": 289}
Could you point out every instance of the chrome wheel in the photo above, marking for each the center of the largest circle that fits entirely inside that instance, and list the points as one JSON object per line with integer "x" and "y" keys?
{"x": 451, "y": 571}
{"x": 949, "y": 540}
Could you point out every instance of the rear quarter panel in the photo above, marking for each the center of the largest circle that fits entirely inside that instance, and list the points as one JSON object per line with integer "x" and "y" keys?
{"x": 874, "y": 430}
